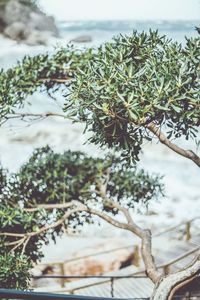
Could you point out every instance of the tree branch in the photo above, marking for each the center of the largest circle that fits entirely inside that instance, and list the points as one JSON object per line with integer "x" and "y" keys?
{"x": 29, "y": 235}
{"x": 106, "y": 217}
{"x": 164, "y": 140}
{"x": 56, "y": 224}
{"x": 167, "y": 286}
{"x": 144, "y": 235}
{"x": 35, "y": 115}
{"x": 15, "y": 234}
{"x": 57, "y": 80}
{"x": 50, "y": 206}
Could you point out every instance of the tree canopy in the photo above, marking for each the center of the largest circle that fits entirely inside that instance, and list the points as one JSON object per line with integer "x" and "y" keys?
{"x": 40, "y": 200}
{"x": 123, "y": 90}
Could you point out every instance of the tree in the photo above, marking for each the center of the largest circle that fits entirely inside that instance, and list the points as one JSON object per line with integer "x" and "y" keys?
{"x": 54, "y": 192}
{"x": 129, "y": 90}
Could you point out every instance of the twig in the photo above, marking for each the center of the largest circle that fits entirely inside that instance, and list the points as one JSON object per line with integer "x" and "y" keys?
{"x": 50, "y": 206}
{"x": 41, "y": 115}
{"x": 25, "y": 244}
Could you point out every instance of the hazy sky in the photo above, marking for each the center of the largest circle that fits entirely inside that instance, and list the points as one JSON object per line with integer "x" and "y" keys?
{"x": 122, "y": 9}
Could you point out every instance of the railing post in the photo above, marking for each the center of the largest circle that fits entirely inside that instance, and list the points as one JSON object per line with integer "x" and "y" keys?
{"x": 166, "y": 269}
{"x": 188, "y": 231}
{"x": 136, "y": 256}
{"x": 112, "y": 287}
{"x": 62, "y": 273}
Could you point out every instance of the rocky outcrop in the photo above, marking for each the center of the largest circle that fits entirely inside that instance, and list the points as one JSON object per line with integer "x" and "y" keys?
{"x": 105, "y": 262}
{"x": 82, "y": 39}
{"x": 100, "y": 264}
{"x": 21, "y": 21}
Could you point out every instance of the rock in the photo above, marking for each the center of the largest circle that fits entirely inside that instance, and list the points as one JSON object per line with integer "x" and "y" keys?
{"x": 43, "y": 23}
{"x": 91, "y": 265}
{"x": 24, "y": 22}
{"x": 82, "y": 39}
{"x": 2, "y": 25}
{"x": 15, "y": 31}
{"x": 100, "y": 264}
{"x": 36, "y": 37}
{"x": 15, "y": 11}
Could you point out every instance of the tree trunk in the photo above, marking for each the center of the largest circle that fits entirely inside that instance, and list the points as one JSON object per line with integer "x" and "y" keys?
{"x": 168, "y": 285}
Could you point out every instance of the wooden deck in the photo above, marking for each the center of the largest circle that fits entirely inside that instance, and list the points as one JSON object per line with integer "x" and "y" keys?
{"x": 174, "y": 251}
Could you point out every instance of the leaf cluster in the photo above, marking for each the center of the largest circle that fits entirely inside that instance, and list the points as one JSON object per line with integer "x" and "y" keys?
{"x": 52, "y": 178}
{"x": 43, "y": 72}
{"x": 134, "y": 81}
{"x": 118, "y": 88}
{"x": 14, "y": 271}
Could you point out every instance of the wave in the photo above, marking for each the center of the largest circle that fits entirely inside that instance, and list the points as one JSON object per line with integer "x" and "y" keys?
{"x": 128, "y": 25}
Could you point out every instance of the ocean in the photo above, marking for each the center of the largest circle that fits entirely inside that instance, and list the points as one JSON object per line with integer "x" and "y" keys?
{"x": 102, "y": 31}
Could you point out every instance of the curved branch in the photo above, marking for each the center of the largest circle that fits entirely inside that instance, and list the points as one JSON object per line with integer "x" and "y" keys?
{"x": 24, "y": 236}
{"x": 167, "y": 286}
{"x": 56, "y": 80}
{"x": 50, "y": 206}
{"x": 56, "y": 224}
{"x": 35, "y": 115}
{"x": 149, "y": 262}
{"x": 137, "y": 230}
{"x": 106, "y": 218}
{"x": 144, "y": 235}
{"x": 164, "y": 140}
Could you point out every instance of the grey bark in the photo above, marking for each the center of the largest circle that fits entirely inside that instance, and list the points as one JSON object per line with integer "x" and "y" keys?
{"x": 167, "y": 286}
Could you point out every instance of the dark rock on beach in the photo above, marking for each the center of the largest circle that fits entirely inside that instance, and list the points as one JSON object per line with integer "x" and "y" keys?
{"x": 82, "y": 39}
{"x": 23, "y": 22}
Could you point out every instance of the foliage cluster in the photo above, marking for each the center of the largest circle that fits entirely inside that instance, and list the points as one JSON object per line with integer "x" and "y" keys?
{"x": 134, "y": 81}
{"x": 118, "y": 89}
{"x": 41, "y": 72}
{"x": 52, "y": 178}
{"x": 14, "y": 271}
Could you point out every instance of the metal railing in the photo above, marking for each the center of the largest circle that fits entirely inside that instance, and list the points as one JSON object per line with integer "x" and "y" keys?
{"x": 187, "y": 233}
{"x": 103, "y": 279}
{"x": 26, "y": 295}
{"x": 23, "y": 295}
{"x": 187, "y": 225}
{"x": 86, "y": 256}
{"x": 166, "y": 266}
{"x": 111, "y": 279}
{"x": 135, "y": 254}
{"x": 14, "y": 294}
{"x": 61, "y": 264}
